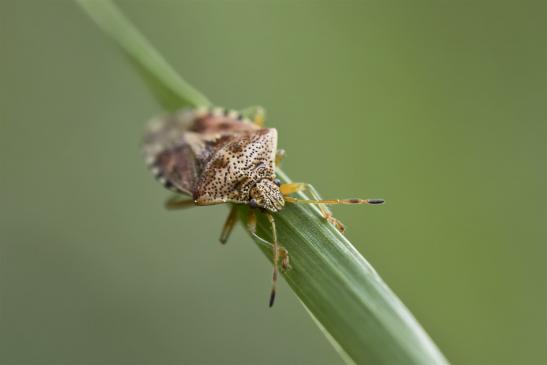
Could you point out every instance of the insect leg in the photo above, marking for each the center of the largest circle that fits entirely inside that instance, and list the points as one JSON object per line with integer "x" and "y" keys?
{"x": 279, "y": 156}
{"x": 322, "y": 203}
{"x": 256, "y": 114}
{"x": 283, "y": 253}
{"x": 259, "y": 116}
{"x": 176, "y": 202}
{"x": 275, "y": 257}
{"x": 290, "y": 188}
{"x": 278, "y": 252}
{"x": 229, "y": 225}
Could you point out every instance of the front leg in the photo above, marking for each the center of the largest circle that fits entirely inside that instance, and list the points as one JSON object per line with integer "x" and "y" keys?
{"x": 291, "y": 188}
{"x": 283, "y": 253}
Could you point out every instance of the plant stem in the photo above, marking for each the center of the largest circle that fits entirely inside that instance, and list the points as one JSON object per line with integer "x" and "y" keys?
{"x": 360, "y": 315}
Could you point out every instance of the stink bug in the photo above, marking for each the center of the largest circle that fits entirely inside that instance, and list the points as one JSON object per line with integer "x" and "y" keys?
{"x": 218, "y": 156}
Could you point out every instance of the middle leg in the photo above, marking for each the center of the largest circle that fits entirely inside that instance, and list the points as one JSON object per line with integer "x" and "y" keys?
{"x": 229, "y": 225}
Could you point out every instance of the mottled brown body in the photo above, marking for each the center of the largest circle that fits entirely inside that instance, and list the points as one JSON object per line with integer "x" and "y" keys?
{"x": 216, "y": 156}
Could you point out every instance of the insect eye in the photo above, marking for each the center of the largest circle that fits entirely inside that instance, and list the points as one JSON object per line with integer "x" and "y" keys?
{"x": 253, "y": 203}
{"x": 277, "y": 182}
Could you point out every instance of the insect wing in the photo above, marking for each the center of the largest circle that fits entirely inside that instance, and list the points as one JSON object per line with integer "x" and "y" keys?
{"x": 170, "y": 151}
{"x": 177, "y": 147}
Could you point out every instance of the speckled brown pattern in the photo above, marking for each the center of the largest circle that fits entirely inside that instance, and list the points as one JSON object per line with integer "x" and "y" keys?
{"x": 215, "y": 156}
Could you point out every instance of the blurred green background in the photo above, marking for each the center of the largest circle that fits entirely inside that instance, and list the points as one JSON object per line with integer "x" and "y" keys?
{"x": 439, "y": 107}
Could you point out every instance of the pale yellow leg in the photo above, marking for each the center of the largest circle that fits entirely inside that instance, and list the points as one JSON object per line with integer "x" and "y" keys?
{"x": 229, "y": 225}
{"x": 283, "y": 253}
{"x": 275, "y": 257}
{"x": 259, "y": 117}
{"x": 290, "y": 188}
{"x": 176, "y": 202}
{"x": 279, "y": 156}
{"x": 251, "y": 223}
{"x": 279, "y": 253}
{"x": 297, "y": 187}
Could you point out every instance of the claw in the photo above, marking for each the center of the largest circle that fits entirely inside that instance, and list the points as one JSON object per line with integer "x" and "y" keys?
{"x": 284, "y": 255}
{"x": 335, "y": 222}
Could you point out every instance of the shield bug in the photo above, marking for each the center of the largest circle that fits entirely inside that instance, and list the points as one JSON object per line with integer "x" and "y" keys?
{"x": 217, "y": 156}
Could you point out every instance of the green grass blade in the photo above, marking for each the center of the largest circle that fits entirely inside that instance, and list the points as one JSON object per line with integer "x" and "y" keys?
{"x": 360, "y": 315}
{"x": 344, "y": 294}
{"x": 169, "y": 88}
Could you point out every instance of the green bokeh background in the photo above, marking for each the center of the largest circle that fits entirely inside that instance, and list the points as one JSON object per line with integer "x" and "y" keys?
{"x": 439, "y": 107}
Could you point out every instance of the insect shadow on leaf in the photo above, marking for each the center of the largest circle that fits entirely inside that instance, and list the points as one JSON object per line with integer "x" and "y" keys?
{"x": 218, "y": 156}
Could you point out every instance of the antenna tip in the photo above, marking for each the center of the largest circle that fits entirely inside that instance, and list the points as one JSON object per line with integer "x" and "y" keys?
{"x": 376, "y": 201}
{"x": 272, "y": 298}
